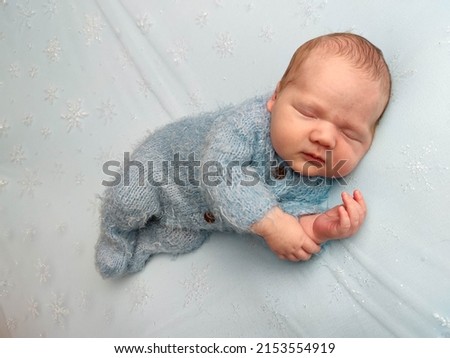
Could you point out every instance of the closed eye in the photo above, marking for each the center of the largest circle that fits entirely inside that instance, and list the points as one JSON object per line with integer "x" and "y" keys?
{"x": 306, "y": 113}
{"x": 350, "y": 134}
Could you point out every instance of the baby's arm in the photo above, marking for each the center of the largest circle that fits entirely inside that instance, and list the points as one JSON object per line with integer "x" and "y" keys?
{"x": 285, "y": 236}
{"x": 296, "y": 240}
{"x": 340, "y": 222}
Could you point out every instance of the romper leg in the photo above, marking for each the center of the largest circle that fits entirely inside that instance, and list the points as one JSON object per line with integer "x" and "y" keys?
{"x": 156, "y": 239}
{"x": 125, "y": 210}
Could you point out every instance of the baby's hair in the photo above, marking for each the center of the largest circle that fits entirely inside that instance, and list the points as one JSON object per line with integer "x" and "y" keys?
{"x": 359, "y": 51}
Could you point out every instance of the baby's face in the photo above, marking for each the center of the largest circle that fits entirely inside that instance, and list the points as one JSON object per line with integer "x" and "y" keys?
{"x": 323, "y": 122}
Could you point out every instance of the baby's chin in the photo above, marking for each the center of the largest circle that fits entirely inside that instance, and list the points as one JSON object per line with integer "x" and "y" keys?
{"x": 311, "y": 169}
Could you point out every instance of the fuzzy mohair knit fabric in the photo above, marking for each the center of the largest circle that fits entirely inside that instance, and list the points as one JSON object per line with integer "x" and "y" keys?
{"x": 212, "y": 172}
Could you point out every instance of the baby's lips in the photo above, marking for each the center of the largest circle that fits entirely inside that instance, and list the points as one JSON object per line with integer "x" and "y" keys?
{"x": 314, "y": 159}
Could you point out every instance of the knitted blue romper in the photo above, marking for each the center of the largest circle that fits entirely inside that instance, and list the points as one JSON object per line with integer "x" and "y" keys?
{"x": 212, "y": 172}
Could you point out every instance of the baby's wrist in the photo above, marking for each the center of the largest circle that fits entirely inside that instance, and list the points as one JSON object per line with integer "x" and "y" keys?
{"x": 307, "y": 223}
{"x": 268, "y": 225}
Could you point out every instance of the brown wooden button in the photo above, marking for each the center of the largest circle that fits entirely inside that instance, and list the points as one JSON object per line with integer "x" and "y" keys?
{"x": 279, "y": 173}
{"x": 209, "y": 217}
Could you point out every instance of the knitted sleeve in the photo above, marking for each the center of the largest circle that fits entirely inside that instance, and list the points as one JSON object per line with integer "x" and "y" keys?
{"x": 231, "y": 182}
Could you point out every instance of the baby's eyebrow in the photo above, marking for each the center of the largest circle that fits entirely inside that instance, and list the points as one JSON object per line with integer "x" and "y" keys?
{"x": 345, "y": 123}
{"x": 312, "y": 106}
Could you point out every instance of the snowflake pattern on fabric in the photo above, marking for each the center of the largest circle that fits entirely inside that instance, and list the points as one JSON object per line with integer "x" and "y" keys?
{"x": 53, "y": 50}
{"x": 224, "y": 45}
{"x": 4, "y": 128}
{"x": 144, "y": 23}
{"x": 309, "y": 11}
{"x": 30, "y": 182}
{"x": 74, "y": 114}
{"x": 92, "y": 29}
{"x": 81, "y": 82}
{"x": 58, "y": 310}
{"x": 419, "y": 163}
{"x": 139, "y": 294}
{"x": 196, "y": 285}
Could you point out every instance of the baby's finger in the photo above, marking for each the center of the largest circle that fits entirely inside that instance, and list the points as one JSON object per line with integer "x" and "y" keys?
{"x": 299, "y": 255}
{"x": 344, "y": 219}
{"x": 360, "y": 200}
{"x": 311, "y": 247}
{"x": 352, "y": 208}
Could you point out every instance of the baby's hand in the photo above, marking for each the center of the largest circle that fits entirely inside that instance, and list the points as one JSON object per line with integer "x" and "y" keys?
{"x": 341, "y": 221}
{"x": 285, "y": 236}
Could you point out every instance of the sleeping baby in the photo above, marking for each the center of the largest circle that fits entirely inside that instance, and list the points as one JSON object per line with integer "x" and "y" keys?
{"x": 264, "y": 166}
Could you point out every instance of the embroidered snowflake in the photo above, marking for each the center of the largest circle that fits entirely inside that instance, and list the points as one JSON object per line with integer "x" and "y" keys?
{"x": 42, "y": 271}
{"x": 58, "y": 169}
{"x": 28, "y": 120}
{"x": 179, "y": 52}
{"x": 83, "y": 300}
{"x": 389, "y": 232}
{"x": 107, "y": 111}
{"x": 14, "y": 70}
{"x": 26, "y": 14}
{"x": 309, "y": 11}
{"x": 419, "y": 163}
{"x": 108, "y": 315}
{"x": 11, "y": 324}
{"x": 79, "y": 179}
{"x": 4, "y": 128}
{"x": 58, "y": 309}
{"x": 445, "y": 322}
{"x": 5, "y": 285}
{"x": 337, "y": 292}
{"x": 93, "y": 27}
{"x": 144, "y": 24}
{"x": 51, "y": 94}
{"x": 397, "y": 72}
{"x": 124, "y": 58}
{"x": 139, "y": 295}
{"x": 94, "y": 206}
{"x": 45, "y": 132}
{"x": 236, "y": 309}
{"x": 144, "y": 88}
{"x": 74, "y": 115}
{"x": 50, "y": 8}
{"x": 17, "y": 156}
{"x": 33, "y": 308}
{"x": 33, "y": 72}
{"x": 61, "y": 228}
{"x": 196, "y": 101}
{"x": 3, "y": 184}
{"x": 53, "y": 50}
{"x": 29, "y": 233}
{"x": 29, "y": 182}
{"x": 196, "y": 285}
{"x": 202, "y": 19}
{"x": 267, "y": 33}
{"x": 224, "y": 45}
{"x": 275, "y": 319}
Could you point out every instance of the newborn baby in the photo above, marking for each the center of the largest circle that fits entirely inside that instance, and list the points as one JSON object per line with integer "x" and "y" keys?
{"x": 262, "y": 167}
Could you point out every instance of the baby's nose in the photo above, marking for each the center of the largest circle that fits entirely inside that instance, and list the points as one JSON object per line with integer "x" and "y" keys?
{"x": 325, "y": 136}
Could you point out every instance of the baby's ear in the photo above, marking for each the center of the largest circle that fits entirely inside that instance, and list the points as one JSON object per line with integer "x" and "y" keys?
{"x": 273, "y": 98}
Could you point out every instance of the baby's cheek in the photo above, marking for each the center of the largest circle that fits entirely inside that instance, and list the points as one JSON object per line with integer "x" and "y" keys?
{"x": 342, "y": 166}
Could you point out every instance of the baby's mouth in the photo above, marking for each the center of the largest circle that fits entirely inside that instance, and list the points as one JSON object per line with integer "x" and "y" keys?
{"x": 314, "y": 159}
